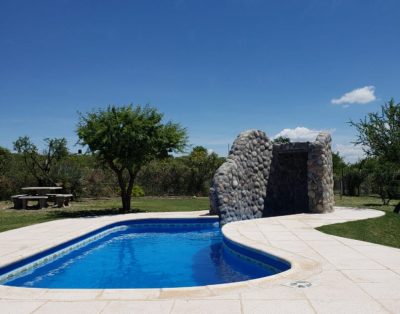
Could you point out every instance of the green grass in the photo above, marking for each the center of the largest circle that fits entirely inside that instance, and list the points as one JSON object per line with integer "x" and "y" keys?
{"x": 383, "y": 230}
{"x": 11, "y": 218}
{"x": 364, "y": 202}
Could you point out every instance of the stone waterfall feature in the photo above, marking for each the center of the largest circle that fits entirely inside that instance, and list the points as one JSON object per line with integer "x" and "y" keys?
{"x": 260, "y": 178}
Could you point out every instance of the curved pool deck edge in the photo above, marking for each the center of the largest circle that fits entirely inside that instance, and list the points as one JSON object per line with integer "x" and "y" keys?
{"x": 313, "y": 255}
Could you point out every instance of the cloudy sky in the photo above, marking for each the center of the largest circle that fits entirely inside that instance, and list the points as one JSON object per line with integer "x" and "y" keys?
{"x": 290, "y": 68}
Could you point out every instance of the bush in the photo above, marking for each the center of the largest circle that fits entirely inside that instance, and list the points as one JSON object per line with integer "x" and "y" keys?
{"x": 137, "y": 191}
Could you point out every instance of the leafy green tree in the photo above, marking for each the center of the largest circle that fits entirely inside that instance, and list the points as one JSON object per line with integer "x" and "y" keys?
{"x": 126, "y": 138}
{"x": 339, "y": 166}
{"x": 168, "y": 176}
{"x": 40, "y": 164}
{"x": 69, "y": 172}
{"x": 383, "y": 177}
{"x": 338, "y": 163}
{"x": 379, "y": 133}
{"x": 354, "y": 176}
{"x": 202, "y": 166}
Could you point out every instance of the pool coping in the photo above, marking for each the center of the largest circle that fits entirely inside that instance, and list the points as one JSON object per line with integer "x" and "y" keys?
{"x": 259, "y": 234}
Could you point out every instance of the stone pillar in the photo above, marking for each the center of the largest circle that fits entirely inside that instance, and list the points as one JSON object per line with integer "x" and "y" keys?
{"x": 320, "y": 175}
{"x": 239, "y": 185}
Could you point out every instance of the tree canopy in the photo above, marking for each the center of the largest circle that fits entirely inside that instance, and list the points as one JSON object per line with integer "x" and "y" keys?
{"x": 379, "y": 133}
{"x": 126, "y": 138}
{"x": 40, "y": 165}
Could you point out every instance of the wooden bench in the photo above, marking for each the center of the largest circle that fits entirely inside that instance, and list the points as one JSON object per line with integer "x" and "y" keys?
{"x": 42, "y": 200}
{"x": 17, "y": 201}
{"x": 62, "y": 200}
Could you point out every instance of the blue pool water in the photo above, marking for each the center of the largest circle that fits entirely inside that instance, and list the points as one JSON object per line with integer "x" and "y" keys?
{"x": 148, "y": 255}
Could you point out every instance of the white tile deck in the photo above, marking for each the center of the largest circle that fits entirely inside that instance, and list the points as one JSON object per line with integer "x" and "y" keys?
{"x": 347, "y": 276}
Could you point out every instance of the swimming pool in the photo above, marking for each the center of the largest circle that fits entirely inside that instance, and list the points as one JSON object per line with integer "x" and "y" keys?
{"x": 148, "y": 253}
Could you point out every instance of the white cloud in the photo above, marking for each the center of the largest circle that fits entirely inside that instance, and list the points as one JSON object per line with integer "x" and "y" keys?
{"x": 300, "y": 134}
{"x": 349, "y": 152}
{"x": 361, "y": 95}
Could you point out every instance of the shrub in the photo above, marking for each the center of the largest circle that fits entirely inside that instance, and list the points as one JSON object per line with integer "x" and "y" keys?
{"x": 137, "y": 191}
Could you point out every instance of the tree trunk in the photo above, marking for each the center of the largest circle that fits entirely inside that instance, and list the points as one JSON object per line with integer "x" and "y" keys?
{"x": 397, "y": 209}
{"x": 122, "y": 186}
{"x": 125, "y": 187}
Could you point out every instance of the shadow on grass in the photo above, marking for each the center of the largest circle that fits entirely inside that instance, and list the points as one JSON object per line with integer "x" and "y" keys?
{"x": 91, "y": 212}
{"x": 374, "y": 204}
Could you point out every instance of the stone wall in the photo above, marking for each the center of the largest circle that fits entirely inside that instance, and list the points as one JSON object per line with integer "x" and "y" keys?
{"x": 261, "y": 179}
{"x": 239, "y": 185}
{"x": 320, "y": 175}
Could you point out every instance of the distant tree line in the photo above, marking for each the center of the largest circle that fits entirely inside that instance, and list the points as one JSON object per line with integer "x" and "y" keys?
{"x": 84, "y": 176}
{"x": 130, "y": 151}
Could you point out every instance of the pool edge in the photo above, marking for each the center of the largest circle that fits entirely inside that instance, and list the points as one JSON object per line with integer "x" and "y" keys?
{"x": 166, "y": 293}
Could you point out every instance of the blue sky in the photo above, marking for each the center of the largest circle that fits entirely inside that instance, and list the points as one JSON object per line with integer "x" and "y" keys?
{"x": 216, "y": 67}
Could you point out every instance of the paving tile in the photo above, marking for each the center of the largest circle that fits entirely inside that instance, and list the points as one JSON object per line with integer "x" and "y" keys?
{"x": 294, "y": 224}
{"x": 344, "y": 257}
{"x": 17, "y": 293}
{"x": 333, "y": 285}
{"x": 372, "y": 276}
{"x": 296, "y": 246}
{"x": 280, "y": 235}
{"x": 206, "y": 307}
{"x": 388, "y": 290}
{"x": 351, "y": 242}
{"x": 393, "y": 306}
{"x": 90, "y": 307}
{"x": 347, "y": 306}
{"x": 71, "y": 294}
{"x": 279, "y": 292}
{"x": 277, "y": 306}
{"x": 145, "y": 307}
{"x": 19, "y": 307}
{"x": 386, "y": 256}
{"x": 129, "y": 294}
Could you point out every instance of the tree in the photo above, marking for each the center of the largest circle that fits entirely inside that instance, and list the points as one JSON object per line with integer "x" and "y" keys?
{"x": 353, "y": 178}
{"x": 126, "y": 138}
{"x": 202, "y": 166}
{"x": 40, "y": 165}
{"x": 382, "y": 177}
{"x": 379, "y": 133}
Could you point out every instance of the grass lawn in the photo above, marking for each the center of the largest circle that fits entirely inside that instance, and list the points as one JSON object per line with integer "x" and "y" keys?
{"x": 11, "y": 218}
{"x": 383, "y": 230}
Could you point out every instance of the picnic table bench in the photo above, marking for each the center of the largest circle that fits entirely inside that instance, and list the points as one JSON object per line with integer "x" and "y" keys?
{"x": 17, "y": 201}
{"x": 61, "y": 200}
{"x": 38, "y": 194}
{"x": 42, "y": 200}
